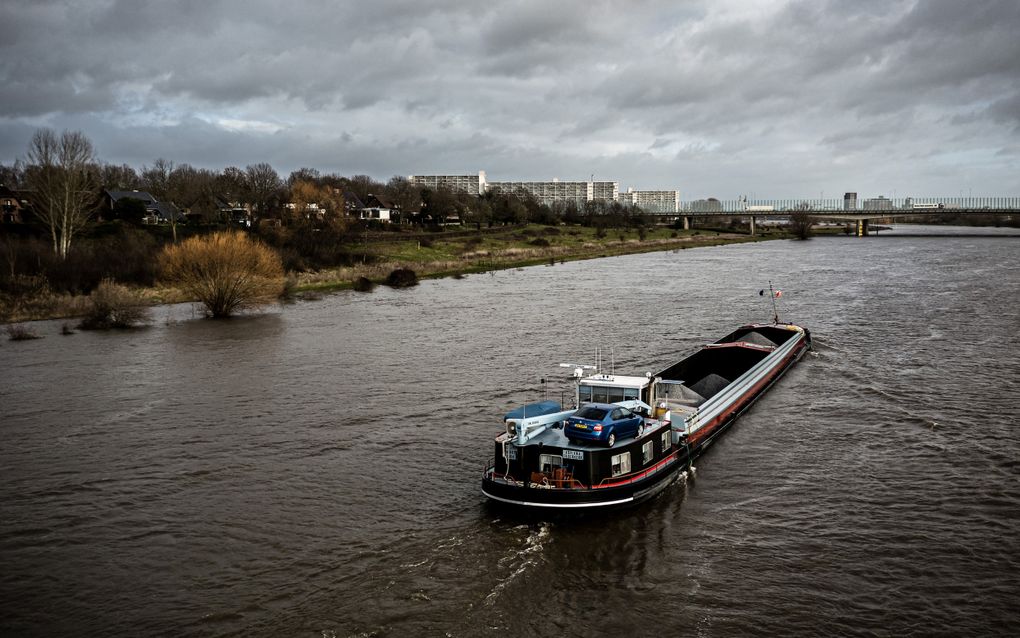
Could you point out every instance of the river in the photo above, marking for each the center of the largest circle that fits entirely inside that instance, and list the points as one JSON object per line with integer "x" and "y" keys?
{"x": 315, "y": 470}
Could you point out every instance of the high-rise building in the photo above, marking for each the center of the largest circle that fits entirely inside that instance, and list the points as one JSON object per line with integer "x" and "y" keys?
{"x": 545, "y": 192}
{"x": 556, "y": 191}
{"x": 878, "y": 203}
{"x": 850, "y": 201}
{"x": 652, "y": 201}
{"x": 471, "y": 184}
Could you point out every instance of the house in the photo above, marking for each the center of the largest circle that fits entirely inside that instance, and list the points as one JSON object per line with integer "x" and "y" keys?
{"x": 378, "y": 208}
{"x": 156, "y": 212}
{"x": 233, "y": 212}
{"x": 352, "y": 204}
{"x": 14, "y": 205}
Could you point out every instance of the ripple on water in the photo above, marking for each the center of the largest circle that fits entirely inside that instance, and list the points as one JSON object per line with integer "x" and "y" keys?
{"x": 315, "y": 471}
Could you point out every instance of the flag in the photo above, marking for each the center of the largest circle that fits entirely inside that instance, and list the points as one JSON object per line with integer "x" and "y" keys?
{"x": 779, "y": 293}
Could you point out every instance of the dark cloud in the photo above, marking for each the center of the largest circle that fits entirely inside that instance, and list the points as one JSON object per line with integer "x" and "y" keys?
{"x": 712, "y": 97}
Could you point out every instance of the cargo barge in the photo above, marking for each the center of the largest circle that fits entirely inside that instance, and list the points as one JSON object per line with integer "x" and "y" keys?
{"x": 626, "y": 438}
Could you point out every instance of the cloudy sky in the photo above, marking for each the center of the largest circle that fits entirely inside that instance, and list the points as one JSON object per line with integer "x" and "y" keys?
{"x": 711, "y": 97}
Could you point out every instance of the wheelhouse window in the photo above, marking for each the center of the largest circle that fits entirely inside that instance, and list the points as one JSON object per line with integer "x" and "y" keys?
{"x": 647, "y": 452}
{"x": 621, "y": 464}
{"x": 549, "y": 462}
{"x": 606, "y": 394}
{"x": 665, "y": 440}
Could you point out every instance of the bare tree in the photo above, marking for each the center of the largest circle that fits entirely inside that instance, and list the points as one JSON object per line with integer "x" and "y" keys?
{"x": 119, "y": 178}
{"x": 159, "y": 179}
{"x": 263, "y": 184}
{"x": 12, "y": 176}
{"x": 800, "y": 224}
{"x": 62, "y": 172}
{"x": 363, "y": 186}
{"x": 405, "y": 195}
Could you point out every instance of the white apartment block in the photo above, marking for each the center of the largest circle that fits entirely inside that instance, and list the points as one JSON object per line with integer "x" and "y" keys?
{"x": 652, "y": 201}
{"x": 470, "y": 184}
{"x": 556, "y": 191}
{"x": 545, "y": 192}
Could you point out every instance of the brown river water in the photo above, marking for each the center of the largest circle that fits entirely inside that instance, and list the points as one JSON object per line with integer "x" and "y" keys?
{"x": 315, "y": 470}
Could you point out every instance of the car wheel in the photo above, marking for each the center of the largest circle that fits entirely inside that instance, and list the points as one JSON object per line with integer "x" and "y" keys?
{"x": 611, "y": 440}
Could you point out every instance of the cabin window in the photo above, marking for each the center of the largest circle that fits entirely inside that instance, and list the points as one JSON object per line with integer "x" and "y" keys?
{"x": 549, "y": 462}
{"x": 621, "y": 464}
{"x": 647, "y": 452}
{"x": 665, "y": 440}
{"x": 606, "y": 394}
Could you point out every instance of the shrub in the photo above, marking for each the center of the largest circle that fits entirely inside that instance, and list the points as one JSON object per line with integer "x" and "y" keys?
{"x": 402, "y": 278}
{"x": 17, "y": 332}
{"x": 552, "y": 230}
{"x": 800, "y": 225}
{"x": 363, "y": 284}
{"x": 539, "y": 241}
{"x": 226, "y": 271}
{"x": 112, "y": 305}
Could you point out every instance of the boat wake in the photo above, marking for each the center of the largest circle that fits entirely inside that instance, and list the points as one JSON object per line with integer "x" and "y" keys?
{"x": 520, "y": 559}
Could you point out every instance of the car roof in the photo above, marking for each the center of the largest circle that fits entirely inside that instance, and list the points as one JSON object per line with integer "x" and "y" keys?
{"x": 601, "y": 406}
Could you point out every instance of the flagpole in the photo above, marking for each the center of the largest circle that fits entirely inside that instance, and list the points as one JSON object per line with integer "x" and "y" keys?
{"x": 775, "y": 311}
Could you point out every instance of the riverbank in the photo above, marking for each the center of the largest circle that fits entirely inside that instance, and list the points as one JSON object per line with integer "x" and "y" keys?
{"x": 529, "y": 246}
{"x": 435, "y": 255}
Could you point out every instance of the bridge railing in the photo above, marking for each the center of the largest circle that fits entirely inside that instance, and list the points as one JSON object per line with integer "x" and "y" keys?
{"x": 871, "y": 204}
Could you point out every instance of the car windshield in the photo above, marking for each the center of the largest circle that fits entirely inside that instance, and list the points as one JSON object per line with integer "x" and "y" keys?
{"x": 595, "y": 414}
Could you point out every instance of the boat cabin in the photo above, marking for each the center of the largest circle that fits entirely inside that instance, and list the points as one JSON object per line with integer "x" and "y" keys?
{"x": 609, "y": 388}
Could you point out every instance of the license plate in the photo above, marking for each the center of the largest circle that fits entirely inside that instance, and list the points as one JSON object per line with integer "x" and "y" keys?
{"x": 580, "y": 426}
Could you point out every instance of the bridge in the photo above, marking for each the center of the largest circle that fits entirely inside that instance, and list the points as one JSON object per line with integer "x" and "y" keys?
{"x": 860, "y": 212}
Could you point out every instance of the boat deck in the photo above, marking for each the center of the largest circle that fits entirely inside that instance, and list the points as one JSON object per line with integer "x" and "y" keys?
{"x": 555, "y": 437}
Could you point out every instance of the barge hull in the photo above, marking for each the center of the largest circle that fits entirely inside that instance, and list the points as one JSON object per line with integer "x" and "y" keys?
{"x": 731, "y": 403}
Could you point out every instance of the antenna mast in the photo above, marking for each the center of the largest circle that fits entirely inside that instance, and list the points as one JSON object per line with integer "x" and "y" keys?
{"x": 775, "y": 311}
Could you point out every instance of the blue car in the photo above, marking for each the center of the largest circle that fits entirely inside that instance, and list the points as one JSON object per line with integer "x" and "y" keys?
{"x": 603, "y": 423}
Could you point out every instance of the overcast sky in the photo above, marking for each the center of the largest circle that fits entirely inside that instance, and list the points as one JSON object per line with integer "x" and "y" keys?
{"x": 714, "y": 98}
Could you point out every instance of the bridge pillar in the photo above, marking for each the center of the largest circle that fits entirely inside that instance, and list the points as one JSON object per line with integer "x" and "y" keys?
{"x": 862, "y": 227}
{"x": 687, "y": 223}
{"x": 752, "y": 225}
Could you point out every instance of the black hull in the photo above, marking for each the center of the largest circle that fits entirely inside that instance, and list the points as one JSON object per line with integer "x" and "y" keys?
{"x": 582, "y": 499}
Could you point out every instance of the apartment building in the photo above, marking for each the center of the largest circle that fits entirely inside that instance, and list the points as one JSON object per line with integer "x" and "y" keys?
{"x": 667, "y": 202}
{"x": 555, "y": 191}
{"x": 545, "y": 192}
{"x": 471, "y": 184}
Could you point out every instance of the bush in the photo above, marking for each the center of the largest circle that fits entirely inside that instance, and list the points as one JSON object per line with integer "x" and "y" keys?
{"x": 539, "y": 241}
{"x": 402, "y": 278}
{"x": 17, "y": 332}
{"x": 226, "y": 271}
{"x": 112, "y": 305}
{"x": 800, "y": 225}
{"x": 363, "y": 284}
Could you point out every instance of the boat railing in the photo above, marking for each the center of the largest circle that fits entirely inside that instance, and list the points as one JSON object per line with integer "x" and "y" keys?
{"x": 540, "y": 480}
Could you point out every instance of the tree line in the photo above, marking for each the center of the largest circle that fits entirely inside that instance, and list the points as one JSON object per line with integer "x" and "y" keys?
{"x": 69, "y": 244}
